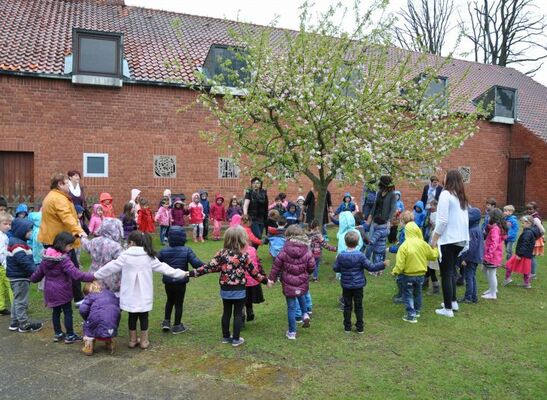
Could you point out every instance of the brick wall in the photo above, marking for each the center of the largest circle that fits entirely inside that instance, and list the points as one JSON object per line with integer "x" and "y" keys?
{"x": 59, "y": 122}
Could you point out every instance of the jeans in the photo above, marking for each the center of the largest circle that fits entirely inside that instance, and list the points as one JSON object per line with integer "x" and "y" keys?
{"x": 66, "y": 309}
{"x": 132, "y": 321}
{"x": 309, "y": 306}
{"x": 353, "y": 298}
{"x": 291, "y": 310}
{"x": 257, "y": 228}
{"x": 378, "y": 257}
{"x": 412, "y": 294}
{"x": 164, "y": 230}
{"x": 448, "y": 272}
{"x": 316, "y": 270}
{"x": 534, "y": 266}
{"x": 206, "y": 226}
{"x": 469, "y": 274}
{"x": 175, "y": 298}
{"x": 508, "y": 249}
{"x": 237, "y": 306}
{"x": 19, "y": 305}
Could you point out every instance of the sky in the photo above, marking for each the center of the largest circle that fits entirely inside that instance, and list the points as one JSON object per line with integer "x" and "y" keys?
{"x": 286, "y": 13}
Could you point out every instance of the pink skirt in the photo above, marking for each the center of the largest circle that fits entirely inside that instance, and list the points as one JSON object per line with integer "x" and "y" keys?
{"x": 522, "y": 266}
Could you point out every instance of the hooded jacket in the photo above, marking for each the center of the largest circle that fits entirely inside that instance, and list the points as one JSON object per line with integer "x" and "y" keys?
{"x": 37, "y": 247}
{"x": 204, "y": 202}
{"x": 218, "y": 212}
{"x": 101, "y": 314}
{"x": 345, "y": 206}
{"x": 22, "y": 208}
{"x": 95, "y": 221}
{"x": 475, "y": 253}
{"x": 177, "y": 255}
{"x": 293, "y": 265}
{"x": 526, "y": 242}
{"x": 136, "y": 206}
{"x": 414, "y": 253}
{"x": 379, "y": 238}
{"x": 58, "y": 214}
{"x": 346, "y": 223}
{"x": 163, "y": 216}
{"x": 178, "y": 213}
{"x": 19, "y": 260}
{"x": 350, "y": 264}
{"x": 512, "y": 227}
{"x": 108, "y": 209}
{"x": 197, "y": 215}
{"x": 399, "y": 204}
{"x": 145, "y": 220}
{"x": 493, "y": 245}
{"x": 291, "y": 217}
{"x": 419, "y": 216}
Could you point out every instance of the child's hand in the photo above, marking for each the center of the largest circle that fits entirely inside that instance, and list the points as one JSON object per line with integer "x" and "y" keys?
{"x": 518, "y": 257}
{"x": 270, "y": 283}
{"x": 464, "y": 264}
{"x": 386, "y": 263}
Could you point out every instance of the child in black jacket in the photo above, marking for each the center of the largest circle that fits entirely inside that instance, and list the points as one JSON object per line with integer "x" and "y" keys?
{"x": 521, "y": 261}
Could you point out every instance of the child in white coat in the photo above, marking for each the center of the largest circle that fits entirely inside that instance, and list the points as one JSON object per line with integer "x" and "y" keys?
{"x": 137, "y": 287}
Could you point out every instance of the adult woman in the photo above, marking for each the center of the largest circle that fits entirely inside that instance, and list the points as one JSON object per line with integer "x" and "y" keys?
{"x": 385, "y": 204}
{"x": 255, "y": 205}
{"x": 309, "y": 203}
{"x": 58, "y": 215}
{"x": 76, "y": 192}
{"x": 452, "y": 235}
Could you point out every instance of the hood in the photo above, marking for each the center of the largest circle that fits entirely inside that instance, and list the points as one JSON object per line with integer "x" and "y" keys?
{"x": 20, "y": 227}
{"x": 21, "y": 208}
{"x": 300, "y": 198}
{"x": 167, "y": 192}
{"x": 178, "y": 201}
{"x": 95, "y": 208}
{"x": 105, "y": 196}
{"x": 397, "y": 192}
{"x": 194, "y": 195}
{"x": 347, "y": 194}
{"x": 474, "y": 216}
{"x": 420, "y": 204}
{"x": 413, "y": 231}
{"x": 176, "y": 236}
{"x": 346, "y": 222}
{"x": 203, "y": 191}
{"x": 36, "y": 218}
{"x": 296, "y": 248}
{"x": 219, "y": 196}
{"x": 134, "y": 194}
{"x": 111, "y": 228}
{"x": 235, "y": 221}
{"x": 53, "y": 255}
{"x": 291, "y": 204}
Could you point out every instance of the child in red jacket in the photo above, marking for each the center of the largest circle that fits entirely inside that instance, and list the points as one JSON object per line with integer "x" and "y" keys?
{"x": 145, "y": 219}
{"x": 196, "y": 217}
{"x": 217, "y": 214}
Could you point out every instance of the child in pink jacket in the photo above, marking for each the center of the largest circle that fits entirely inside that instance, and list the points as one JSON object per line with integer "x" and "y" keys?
{"x": 196, "y": 217}
{"x": 496, "y": 231}
{"x": 163, "y": 218}
{"x": 96, "y": 219}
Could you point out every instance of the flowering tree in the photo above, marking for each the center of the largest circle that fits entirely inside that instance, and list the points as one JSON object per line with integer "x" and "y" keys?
{"x": 321, "y": 102}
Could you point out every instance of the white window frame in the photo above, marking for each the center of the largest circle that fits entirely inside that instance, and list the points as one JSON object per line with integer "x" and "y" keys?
{"x": 221, "y": 161}
{"x": 93, "y": 175}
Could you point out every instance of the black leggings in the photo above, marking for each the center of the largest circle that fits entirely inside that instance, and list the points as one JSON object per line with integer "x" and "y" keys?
{"x": 132, "y": 320}
{"x": 237, "y": 306}
{"x": 175, "y": 297}
{"x": 447, "y": 266}
{"x": 431, "y": 274}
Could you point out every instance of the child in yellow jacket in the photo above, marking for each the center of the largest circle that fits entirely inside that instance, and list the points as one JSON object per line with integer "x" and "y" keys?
{"x": 411, "y": 266}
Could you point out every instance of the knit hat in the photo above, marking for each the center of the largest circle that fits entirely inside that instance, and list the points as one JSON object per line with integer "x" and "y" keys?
{"x": 300, "y": 198}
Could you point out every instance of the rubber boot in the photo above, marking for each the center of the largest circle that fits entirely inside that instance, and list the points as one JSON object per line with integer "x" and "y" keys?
{"x": 88, "y": 346}
{"x": 133, "y": 341}
{"x": 145, "y": 343}
{"x": 110, "y": 346}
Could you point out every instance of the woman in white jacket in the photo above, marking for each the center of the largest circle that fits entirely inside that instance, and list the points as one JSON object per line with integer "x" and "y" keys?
{"x": 451, "y": 235}
{"x": 137, "y": 286}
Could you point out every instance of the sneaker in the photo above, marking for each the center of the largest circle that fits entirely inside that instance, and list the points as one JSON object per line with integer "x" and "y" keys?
{"x": 178, "y": 329}
{"x": 532, "y": 276}
{"x": 69, "y": 339}
{"x": 77, "y": 304}
{"x": 347, "y": 330}
{"x": 299, "y": 320}
{"x": 227, "y": 340}
{"x": 444, "y": 312}
{"x": 239, "y": 342}
{"x": 291, "y": 335}
{"x": 250, "y": 317}
{"x": 166, "y": 325}
{"x": 13, "y": 326}
{"x": 507, "y": 281}
{"x": 360, "y": 331}
{"x": 306, "y": 321}
{"x": 409, "y": 319}
{"x": 5, "y": 311}
{"x": 397, "y": 300}
{"x": 30, "y": 327}
{"x": 489, "y": 296}
{"x": 418, "y": 315}
{"x": 466, "y": 301}
{"x": 59, "y": 337}
{"x": 527, "y": 286}
{"x": 488, "y": 291}
{"x": 455, "y": 306}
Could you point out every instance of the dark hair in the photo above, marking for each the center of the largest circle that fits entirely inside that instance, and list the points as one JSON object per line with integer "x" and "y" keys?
{"x": 62, "y": 240}
{"x": 454, "y": 184}
{"x": 532, "y": 205}
{"x": 142, "y": 239}
{"x": 433, "y": 178}
{"x": 73, "y": 172}
{"x": 379, "y": 220}
{"x": 128, "y": 212}
{"x": 56, "y": 178}
{"x": 386, "y": 183}
{"x": 282, "y": 221}
{"x": 352, "y": 239}
{"x": 256, "y": 178}
{"x": 314, "y": 224}
{"x": 496, "y": 217}
{"x": 492, "y": 201}
{"x": 143, "y": 202}
{"x": 3, "y": 202}
{"x": 278, "y": 198}
{"x": 282, "y": 195}
{"x": 359, "y": 218}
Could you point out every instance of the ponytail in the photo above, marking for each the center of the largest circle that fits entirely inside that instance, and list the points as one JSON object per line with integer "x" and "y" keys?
{"x": 142, "y": 239}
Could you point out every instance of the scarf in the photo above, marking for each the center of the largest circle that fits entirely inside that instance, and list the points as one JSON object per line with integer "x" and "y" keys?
{"x": 76, "y": 191}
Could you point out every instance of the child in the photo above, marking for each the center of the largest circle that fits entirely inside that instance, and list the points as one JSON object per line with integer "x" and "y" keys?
{"x": 410, "y": 267}
{"x": 293, "y": 266}
{"x": 291, "y": 215}
{"x": 3, "y": 204}
{"x": 493, "y": 251}
{"x": 96, "y": 219}
{"x": 278, "y": 205}
{"x": 232, "y": 262}
{"x": 430, "y": 220}
{"x": 21, "y": 211}
{"x": 81, "y": 219}
{"x": 512, "y": 230}
{"x": 129, "y": 223}
{"x": 206, "y": 211}
{"x": 350, "y": 264}
{"x": 490, "y": 205}
{"x": 276, "y": 237}
{"x": 5, "y": 288}
{"x": 399, "y": 208}
{"x": 145, "y": 220}
{"x": 163, "y": 218}
{"x": 346, "y": 205}
{"x": 218, "y": 215}
{"x": 59, "y": 272}
{"x": 313, "y": 232}
{"x": 433, "y": 266}
{"x": 246, "y": 223}
{"x": 178, "y": 212}
{"x": 137, "y": 289}
{"x": 101, "y": 313}
{"x": 233, "y": 209}
{"x": 521, "y": 262}
{"x": 253, "y": 289}
{"x": 135, "y": 200}
{"x": 106, "y": 202}
{"x": 177, "y": 256}
{"x": 20, "y": 266}
{"x": 473, "y": 256}
{"x": 197, "y": 216}
{"x": 377, "y": 243}
{"x": 301, "y": 209}
{"x": 419, "y": 214}
{"x": 273, "y": 218}
{"x": 105, "y": 248}
{"x": 532, "y": 210}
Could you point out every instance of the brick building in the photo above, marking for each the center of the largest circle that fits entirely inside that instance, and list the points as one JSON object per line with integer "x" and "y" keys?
{"x": 126, "y": 131}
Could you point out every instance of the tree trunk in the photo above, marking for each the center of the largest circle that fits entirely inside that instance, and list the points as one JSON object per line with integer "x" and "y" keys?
{"x": 321, "y": 189}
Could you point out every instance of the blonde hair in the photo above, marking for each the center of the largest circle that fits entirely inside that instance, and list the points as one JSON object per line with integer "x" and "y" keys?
{"x": 235, "y": 239}
{"x": 527, "y": 218}
{"x": 245, "y": 219}
{"x": 407, "y": 216}
{"x": 92, "y": 287}
{"x": 509, "y": 208}
{"x": 5, "y": 216}
{"x": 294, "y": 230}
{"x": 352, "y": 239}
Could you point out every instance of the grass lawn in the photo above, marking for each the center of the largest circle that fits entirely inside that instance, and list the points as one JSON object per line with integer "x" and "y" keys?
{"x": 491, "y": 350}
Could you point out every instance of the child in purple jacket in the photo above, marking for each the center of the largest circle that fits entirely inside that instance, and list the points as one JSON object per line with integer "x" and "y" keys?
{"x": 101, "y": 312}
{"x": 59, "y": 271}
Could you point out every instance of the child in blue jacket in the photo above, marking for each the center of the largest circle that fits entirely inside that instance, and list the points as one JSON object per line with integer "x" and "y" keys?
{"x": 512, "y": 230}
{"x": 473, "y": 256}
{"x": 346, "y": 205}
{"x": 419, "y": 214}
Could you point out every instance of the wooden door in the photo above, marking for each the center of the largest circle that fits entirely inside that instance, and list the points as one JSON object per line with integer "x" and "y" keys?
{"x": 516, "y": 182}
{"x": 17, "y": 176}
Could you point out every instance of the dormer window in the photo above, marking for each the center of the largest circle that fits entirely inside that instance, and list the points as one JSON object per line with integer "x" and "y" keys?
{"x": 226, "y": 66}
{"x": 97, "y": 57}
{"x": 435, "y": 91}
{"x": 500, "y": 103}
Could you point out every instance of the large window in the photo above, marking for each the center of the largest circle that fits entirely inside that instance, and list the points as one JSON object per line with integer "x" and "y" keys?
{"x": 499, "y": 103}
{"x": 96, "y": 165}
{"x": 226, "y": 66}
{"x": 227, "y": 169}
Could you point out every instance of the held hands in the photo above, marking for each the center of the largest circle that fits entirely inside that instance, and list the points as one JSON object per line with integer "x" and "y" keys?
{"x": 518, "y": 257}
{"x": 270, "y": 283}
{"x": 464, "y": 264}
{"x": 386, "y": 263}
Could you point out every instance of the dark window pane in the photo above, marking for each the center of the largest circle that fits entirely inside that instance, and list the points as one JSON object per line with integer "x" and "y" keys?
{"x": 95, "y": 165}
{"x": 505, "y": 103}
{"x": 221, "y": 64}
{"x": 98, "y": 56}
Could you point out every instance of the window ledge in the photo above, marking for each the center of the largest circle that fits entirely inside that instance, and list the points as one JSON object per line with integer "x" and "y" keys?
{"x": 503, "y": 120}
{"x": 96, "y": 80}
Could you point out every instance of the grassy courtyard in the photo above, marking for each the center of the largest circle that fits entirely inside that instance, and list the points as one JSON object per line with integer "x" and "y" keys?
{"x": 491, "y": 350}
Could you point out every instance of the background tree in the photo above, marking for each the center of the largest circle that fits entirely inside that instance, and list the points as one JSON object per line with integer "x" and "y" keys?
{"x": 505, "y": 32}
{"x": 321, "y": 102}
{"x": 423, "y": 27}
